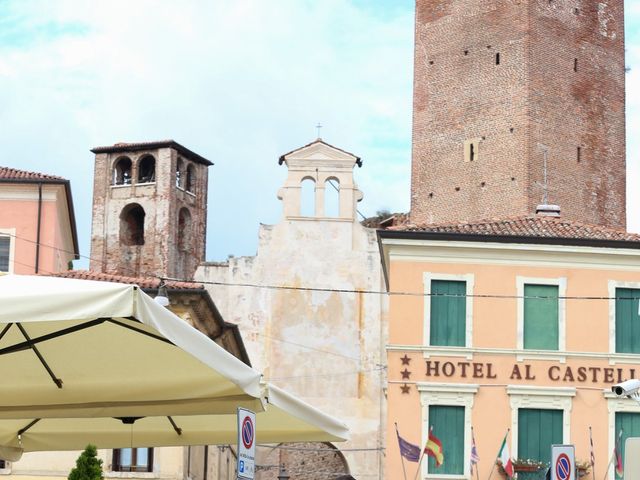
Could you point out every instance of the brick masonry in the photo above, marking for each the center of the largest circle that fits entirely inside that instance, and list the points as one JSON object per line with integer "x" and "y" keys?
{"x": 172, "y": 248}
{"x": 558, "y": 87}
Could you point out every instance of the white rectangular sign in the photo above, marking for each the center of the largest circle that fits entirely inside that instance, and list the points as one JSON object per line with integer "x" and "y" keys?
{"x": 563, "y": 462}
{"x": 246, "y": 444}
{"x": 632, "y": 457}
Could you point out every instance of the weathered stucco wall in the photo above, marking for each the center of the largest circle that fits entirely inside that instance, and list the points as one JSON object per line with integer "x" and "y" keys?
{"x": 323, "y": 346}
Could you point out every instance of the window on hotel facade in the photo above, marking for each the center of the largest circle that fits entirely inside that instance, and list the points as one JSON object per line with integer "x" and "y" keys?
{"x": 541, "y": 308}
{"x": 538, "y": 429}
{"x": 5, "y": 250}
{"x": 629, "y": 423}
{"x": 448, "y": 426}
{"x": 133, "y": 460}
{"x": 448, "y": 313}
{"x": 627, "y": 320}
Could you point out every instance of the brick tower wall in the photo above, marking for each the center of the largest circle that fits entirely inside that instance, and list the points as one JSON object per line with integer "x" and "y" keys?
{"x": 168, "y": 250}
{"x": 577, "y": 101}
{"x": 501, "y": 75}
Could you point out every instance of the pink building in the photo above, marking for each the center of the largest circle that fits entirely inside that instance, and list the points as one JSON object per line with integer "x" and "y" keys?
{"x": 37, "y": 223}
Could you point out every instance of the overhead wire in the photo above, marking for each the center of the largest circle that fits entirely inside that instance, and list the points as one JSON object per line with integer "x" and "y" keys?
{"x": 343, "y": 290}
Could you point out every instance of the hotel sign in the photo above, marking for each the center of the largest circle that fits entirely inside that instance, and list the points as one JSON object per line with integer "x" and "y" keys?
{"x": 524, "y": 371}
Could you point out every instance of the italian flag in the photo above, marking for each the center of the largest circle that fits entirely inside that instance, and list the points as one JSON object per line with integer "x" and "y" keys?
{"x": 505, "y": 458}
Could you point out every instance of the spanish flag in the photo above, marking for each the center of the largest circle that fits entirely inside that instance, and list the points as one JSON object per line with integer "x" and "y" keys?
{"x": 433, "y": 448}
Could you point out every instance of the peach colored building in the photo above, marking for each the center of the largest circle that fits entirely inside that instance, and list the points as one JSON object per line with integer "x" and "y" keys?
{"x": 37, "y": 223}
{"x": 520, "y": 324}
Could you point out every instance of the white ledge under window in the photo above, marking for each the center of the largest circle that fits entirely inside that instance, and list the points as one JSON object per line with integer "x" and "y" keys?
{"x": 131, "y": 475}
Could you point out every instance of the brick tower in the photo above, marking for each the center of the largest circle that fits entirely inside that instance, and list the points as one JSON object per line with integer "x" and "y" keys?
{"x": 149, "y": 210}
{"x": 502, "y": 88}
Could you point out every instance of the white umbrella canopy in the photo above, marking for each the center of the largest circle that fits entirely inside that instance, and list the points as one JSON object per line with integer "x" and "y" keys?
{"x": 286, "y": 419}
{"x": 79, "y": 348}
{"x": 80, "y": 359}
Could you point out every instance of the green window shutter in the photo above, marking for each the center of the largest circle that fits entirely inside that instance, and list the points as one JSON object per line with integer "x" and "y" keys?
{"x": 537, "y": 431}
{"x": 627, "y": 320}
{"x": 5, "y": 243}
{"x": 629, "y": 423}
{"x": 448, "y": 425}
{"x": 448, "y": 313}
{"x": 541, "y": 317}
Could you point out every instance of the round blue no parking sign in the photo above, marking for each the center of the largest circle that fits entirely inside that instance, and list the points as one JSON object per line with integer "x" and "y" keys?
{"x": 563, "y": 467}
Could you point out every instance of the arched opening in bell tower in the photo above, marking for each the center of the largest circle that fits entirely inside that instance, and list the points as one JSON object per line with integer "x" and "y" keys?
{"x": 132, "y": 225}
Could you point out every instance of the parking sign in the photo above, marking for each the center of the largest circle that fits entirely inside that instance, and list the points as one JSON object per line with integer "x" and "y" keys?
{"x": 246, "y": 444}
{"x": 563, "y": 462}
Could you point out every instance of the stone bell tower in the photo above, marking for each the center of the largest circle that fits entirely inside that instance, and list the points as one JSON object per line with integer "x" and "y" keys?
{"x": 149, "y": 210}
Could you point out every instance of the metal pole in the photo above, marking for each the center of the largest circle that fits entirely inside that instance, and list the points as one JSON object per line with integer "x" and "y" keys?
{"x": 404, "y": 471}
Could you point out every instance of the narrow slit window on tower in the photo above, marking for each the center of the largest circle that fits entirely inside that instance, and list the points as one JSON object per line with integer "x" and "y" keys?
{"x": 498, "y": 58}
{"x": 471, "y": 150}
{"x": 579, "y": 154}
{"x": 575, "y": 64}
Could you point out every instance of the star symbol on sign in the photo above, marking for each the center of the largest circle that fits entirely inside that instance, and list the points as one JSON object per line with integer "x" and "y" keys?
{"x": 405, "y": 360}
{"x": 406, "y": 374}
{"x": 405, "y": 388}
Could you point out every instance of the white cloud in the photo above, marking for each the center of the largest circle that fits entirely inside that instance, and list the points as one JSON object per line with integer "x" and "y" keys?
{"x": 238, "y": 82}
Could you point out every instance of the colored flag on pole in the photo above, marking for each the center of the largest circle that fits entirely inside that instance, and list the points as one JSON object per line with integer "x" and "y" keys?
{"x": 592, "y": 454}
{"x": 618, "y": 455}
{"x": 433, "y": 448}
{"x": 505, "y": 457}
{"x": 475, "y": 458}
{"x": 408, "y": 450}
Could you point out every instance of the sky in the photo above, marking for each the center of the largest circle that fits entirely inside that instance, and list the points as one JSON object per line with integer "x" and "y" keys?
{"x": 239, "y": 82}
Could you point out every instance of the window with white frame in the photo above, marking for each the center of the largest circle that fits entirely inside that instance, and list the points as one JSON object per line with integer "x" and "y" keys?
{"x": 624, "y": 414}
{"x": 132, "y": 460}
{"x": 448, "y": 311}
{"x": 539, "y": 409}
{"x": 447, "y": 409}
{"x": 541, "y": 313}
{"x": 624, "y": 317}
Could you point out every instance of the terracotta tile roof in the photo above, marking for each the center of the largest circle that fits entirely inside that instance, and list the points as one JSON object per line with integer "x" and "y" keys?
{"x": 7, "y": 173}
{"x": 527, "y": 226}
{"x": 138, "y": 146}
{"x": 142, "y": 282}
{"x": 319, "y": 140}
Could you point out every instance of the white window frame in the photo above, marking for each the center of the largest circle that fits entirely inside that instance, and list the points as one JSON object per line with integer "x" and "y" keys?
{"x": 448, "y": 395}
{"x": 561, "y": 283}
{"x": 615, "y": 405}
{"x": 11, "y": 233}
{"x": 613, "y": 284}
{"x": 469, "y": 278}
{"x": 541, "y": 398}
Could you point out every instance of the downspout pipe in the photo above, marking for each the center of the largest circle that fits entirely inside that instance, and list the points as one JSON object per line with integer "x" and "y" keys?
{"x": 37, "y": 263}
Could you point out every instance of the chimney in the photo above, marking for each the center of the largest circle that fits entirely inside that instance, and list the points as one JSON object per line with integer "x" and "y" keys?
{"x": 548, "y": 210}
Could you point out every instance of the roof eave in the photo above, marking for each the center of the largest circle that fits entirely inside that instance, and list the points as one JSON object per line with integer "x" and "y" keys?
{"x": 67, "y": 188}
{"x": 136, "y": 147}
{"x": 525, "y": 239}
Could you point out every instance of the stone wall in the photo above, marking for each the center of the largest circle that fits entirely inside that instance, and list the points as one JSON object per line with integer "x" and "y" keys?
{"x": 324, "y": 344}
